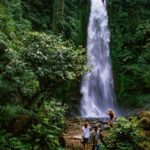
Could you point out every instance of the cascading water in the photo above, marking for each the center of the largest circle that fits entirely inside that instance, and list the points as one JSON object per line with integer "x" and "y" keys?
{"x": 97, "y": 87}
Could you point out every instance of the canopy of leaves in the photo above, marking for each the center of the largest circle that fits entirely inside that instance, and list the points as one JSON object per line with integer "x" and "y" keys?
{"x": 130, "y": 45}
{"x": 34, "y": 66}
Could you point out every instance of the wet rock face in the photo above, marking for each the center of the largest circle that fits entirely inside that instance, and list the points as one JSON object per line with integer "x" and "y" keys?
{"x": 72, "y": 143}
{"x": 72, "y": 136}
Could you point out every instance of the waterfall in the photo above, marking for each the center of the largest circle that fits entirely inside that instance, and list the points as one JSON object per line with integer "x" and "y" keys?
{"x": 97, "y": 86}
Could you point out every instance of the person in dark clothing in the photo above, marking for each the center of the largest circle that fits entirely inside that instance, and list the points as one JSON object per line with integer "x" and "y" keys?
{"x": 96, "y": 138}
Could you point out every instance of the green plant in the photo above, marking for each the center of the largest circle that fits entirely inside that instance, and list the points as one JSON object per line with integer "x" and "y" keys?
{"x": 54, "y": 61}
{"x": 130, "y": 44}
{"x": 125, "y": 135}
{"x": 43, "y": 133}
{"x": 9, "y": 142}
{"x": 46, "y": 132}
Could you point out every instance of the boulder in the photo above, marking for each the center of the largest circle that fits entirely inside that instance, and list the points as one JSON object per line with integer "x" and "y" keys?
{"x": 144, "y": 120}
{"x": 145, "y": 123}
{"x": 144, "y": 114}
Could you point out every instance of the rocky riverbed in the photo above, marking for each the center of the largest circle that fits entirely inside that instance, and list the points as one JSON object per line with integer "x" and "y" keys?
{"x": 72, "y": 136}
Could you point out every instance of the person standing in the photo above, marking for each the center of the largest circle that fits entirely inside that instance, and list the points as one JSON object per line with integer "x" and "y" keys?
{"x": 96, "y": 138}
{"x": 86, "y": 135}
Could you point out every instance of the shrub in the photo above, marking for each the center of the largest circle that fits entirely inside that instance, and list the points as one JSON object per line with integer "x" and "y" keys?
{"x": 125, "y": 135}
{"x": 43, "y": 133}
{"x": 9, "y": 142}
{"x": 46, "y": 132}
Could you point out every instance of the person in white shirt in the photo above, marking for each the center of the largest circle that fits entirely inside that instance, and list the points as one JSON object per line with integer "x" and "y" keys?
{"x": 86, "y": 135}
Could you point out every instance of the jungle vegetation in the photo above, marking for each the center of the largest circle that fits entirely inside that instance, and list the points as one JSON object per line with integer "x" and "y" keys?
{"x": 43, "y": 57}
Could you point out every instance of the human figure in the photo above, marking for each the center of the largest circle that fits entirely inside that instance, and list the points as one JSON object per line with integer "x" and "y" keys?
{"x": 86, "y": 135}
{"x": 111, "y": 117}
{"x": 96, "y": 138}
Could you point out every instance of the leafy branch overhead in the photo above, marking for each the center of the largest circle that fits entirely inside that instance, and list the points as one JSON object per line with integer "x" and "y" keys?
{"x": 53, "y": 59}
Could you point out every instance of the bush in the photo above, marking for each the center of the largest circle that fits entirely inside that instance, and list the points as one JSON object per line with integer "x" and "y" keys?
{"x": 9, "y": 142}
{"x": 57, "y": 64}
{"x": 125, "y": 135}
{"x": 43, "y": 132}
{"x": 52, "y": 58}
{"x": 46, "y": 132}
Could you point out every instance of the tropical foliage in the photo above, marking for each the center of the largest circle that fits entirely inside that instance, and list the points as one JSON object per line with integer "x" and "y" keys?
{"x": 130, "y": 45}
{"x": 42, "y": 60}
{"x": 126, "y": 134}
{"x": 39, "y": 70}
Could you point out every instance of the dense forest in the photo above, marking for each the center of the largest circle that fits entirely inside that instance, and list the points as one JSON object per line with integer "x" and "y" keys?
{"x": 42, "y": 60}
